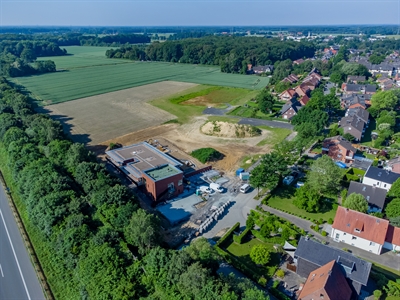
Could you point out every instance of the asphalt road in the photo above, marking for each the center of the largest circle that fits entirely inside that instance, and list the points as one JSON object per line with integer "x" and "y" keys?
{"x": 259, "y": 122}
{"x": 18, "y": 279}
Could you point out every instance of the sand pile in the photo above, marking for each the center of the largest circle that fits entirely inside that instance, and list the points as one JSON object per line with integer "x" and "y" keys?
{"x": 230, "y": 130}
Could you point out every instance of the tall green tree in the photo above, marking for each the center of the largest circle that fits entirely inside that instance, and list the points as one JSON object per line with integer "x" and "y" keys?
{"x": 356, "y": 202}
{"x": 260, "y": 254}
{"x": 384, "y": 100}
{"x": 325, "y": 176}
{"x": 393, "y": 208}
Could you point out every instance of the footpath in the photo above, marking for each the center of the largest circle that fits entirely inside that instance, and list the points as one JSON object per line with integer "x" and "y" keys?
{"x": 387, "y": 259}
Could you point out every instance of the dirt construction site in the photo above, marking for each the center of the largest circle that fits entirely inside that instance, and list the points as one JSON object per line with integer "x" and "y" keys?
{"x": 183, "y": 139}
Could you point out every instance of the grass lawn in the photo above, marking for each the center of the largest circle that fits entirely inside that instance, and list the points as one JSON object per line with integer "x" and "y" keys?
{"x": 242, "y": 252}
{"x": 366, "y": 140}
{"x": 277, "y": 135}
{"x": 283, "y": 198}
{"x": 248, "y": 160}
{"x": 250, "y": 110}
{"x": 182, "y": 106}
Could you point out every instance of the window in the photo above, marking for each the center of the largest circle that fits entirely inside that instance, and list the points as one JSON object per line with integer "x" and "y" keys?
{"x": 337, "y": 235}
{"x": 353, "y": 237}
{"x": 377, "y": 183}
{"x": 344, "y": 233}
{"x": 384, "y": 185}
{"x": 180, "y": 182}
{"x": 372, "y": 244}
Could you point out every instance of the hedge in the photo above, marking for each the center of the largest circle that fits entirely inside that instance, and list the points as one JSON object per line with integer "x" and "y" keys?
{"x": 239, "y": 238}
{"x": 228, "y": 234}
{"x": 278, "y": 294}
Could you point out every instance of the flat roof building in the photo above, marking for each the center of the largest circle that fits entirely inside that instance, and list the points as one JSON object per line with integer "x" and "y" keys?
{"x": 159, "y": 173}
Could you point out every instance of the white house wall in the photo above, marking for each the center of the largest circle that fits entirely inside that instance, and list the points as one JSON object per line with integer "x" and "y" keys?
{"x": 377, "y": 183}
{"x": 361, "y": 243}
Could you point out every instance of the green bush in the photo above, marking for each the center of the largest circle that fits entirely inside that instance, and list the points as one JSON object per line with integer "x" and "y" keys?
{"x": 206, "y": 154}
{"x": 324, "y": 233}
{"x": 275, "y": 284}
{"x": 262, "y": 281}
{"x": 330, "y": 221}
{"x": 280, "y": 273}
{"x": 228, "y": 234}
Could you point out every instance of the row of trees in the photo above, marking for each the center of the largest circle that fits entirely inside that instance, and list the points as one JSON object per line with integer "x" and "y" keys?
{"x": 91, "y": 238}
{"x": 231, "y": 53}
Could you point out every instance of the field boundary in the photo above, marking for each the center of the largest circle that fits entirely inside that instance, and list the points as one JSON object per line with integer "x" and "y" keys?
{"x": 28, "y": 245}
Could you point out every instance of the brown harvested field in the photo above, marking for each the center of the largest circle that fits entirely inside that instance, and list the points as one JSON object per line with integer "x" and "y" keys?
{"x": 183, "y": 139}
{"x": 96, "y": 119}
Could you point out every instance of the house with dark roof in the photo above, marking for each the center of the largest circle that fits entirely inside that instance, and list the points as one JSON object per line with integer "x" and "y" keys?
{"x": 350, "y": 88}
{"x": 359, "y": 113}
{"x": 355, "y": 79}
{"x": 355, "y": 100}
{"x": 359, "y": 230}
{"x": 339, "y": 149}
{"x": 383, "y": 68}
{"x": 354, "y": 126}
{"x": 263, "y": 69}
{"x": 290, "y": 109}
{"x": 393, "y": 165}
{"x": 380, "y": 178}
{"x": 374, "y": 195}
{"x": 328, "y": 283}
{"x": 311, "y": 255}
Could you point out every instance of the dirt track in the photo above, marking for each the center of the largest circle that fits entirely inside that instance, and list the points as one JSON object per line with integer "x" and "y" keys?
{"x": 188, "y": 137}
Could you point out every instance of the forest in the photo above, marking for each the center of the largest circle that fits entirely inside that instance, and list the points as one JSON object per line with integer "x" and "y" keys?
{"x": 231, "y": 53}
{"x": 18, "y": 57}
{"x": 91, "y": 238}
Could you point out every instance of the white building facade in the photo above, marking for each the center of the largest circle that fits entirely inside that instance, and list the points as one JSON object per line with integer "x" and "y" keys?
{"x": 348, "y": 238}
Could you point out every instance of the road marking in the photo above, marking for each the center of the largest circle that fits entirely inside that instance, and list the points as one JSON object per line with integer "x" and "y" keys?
{"x": 1, "y": 270}
{"x": 15, "y": 256}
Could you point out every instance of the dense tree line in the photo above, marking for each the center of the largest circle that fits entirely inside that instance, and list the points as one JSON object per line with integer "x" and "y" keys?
{"x": 231, "y": 53}
{"x": 18, "y": 57}
{"x": 92, "y": 239}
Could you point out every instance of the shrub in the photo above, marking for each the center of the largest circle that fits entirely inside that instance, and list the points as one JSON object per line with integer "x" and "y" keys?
{"x": 228, "y": 234}
{"x": 275, "y": 284}
{"x": 206, "y": 154}
{"x": 262, "y": 281}
{"x": 330, "y": 221}
{"x": 324, "y": 233}
{"x": 377, "y": 294}
{"x": 321, "y": 221}
{"x": 280, "y": 273}
{"x": 345, "y": 249}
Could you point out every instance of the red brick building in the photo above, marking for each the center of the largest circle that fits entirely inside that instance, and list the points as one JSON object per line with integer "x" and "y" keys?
{"x": 339, "y": 149}
{"x": 157, "y": 172}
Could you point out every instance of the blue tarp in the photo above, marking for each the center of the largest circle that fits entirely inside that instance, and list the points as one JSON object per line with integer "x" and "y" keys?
{"x": 238, "y": 171}
{"x": 341, "y": 165}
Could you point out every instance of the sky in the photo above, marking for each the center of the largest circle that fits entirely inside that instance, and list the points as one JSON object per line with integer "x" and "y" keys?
{"x": 197, "y": 12}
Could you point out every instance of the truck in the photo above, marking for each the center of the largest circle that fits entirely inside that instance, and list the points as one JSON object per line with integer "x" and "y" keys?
{"x": 216, "y": 187}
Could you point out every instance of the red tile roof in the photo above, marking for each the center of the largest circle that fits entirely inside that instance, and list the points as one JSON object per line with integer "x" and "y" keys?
{"x": 393, "y": 235}
{"x": 304, "y": 100}
{"x": 373, "y": 229}
{"x": 327, "y": 282}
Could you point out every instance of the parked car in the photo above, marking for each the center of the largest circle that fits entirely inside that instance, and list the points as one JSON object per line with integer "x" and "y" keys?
{"x": 205, "y": 189}
{"x": 244, "y": 188}
{"x": 216, "y": 187}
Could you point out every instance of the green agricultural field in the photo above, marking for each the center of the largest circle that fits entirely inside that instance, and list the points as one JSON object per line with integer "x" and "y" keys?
{"x": 87, "y": 73}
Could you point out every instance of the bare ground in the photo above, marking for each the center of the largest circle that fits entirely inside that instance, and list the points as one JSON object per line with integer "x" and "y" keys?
{"x": 182, "y": 140}
{"x": 95, "y": 119}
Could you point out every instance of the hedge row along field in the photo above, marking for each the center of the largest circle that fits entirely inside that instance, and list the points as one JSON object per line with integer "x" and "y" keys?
{"x": 88, "y": 75}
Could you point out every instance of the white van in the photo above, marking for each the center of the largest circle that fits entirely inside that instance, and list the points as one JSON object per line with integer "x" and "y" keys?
{"x": 216, "y": 187}
{"x": 244, "y": 188}
{"x": 205, "y": 189}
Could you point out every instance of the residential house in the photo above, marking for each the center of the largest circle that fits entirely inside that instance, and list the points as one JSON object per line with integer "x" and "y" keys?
{"x": 328, "y": 283}
{"x": 365, "y": 231}
{"x": 393, "y": 165}
{"x": 359, "y": 230}
{"x": 374, "y": 195}
{"x": 355, "y": 79}
{"x": 359, "y": 113}
{"x": 263, "y": 69}
{"x": 385, "y": 83}
{"x": 291, "y": 78}
{"x": 290, "y": 109}
{"x": 350, "y": 88}
{"x": 355, "y": 100}
{"x": 302, "y": 90}
{"x": 312, "y": 82}
{"x": 392, "y": 240}
{"x": 383, "y": 68}
{"x": 304, "y": 100}
{"x": 380, "y": 178}
{"x": 298, "y": 61}
{"x": 339, "y": 149}
{"x": 288, "y": 95}
{"x": 311, "y": 255}
{"x": 354, "y": 126}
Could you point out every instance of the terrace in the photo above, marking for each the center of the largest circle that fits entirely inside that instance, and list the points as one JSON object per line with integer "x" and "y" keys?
{"x": 162, "y": 172}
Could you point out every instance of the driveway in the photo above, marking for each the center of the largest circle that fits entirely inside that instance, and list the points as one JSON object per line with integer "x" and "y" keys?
{"x": 387, "y": 258}
{"x": 258, "y": 122}
{"x": 217, "y": 111}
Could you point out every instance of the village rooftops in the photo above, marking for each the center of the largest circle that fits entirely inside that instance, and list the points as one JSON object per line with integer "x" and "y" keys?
{"x": 355, "y": 88}
{"x": 374, "y": 195}
{"x": 141, "y": 156}
{"x": 381, "y": 175}
{"x": 355, "y": 268}
{"x": 356, "y": 79}
{"x": 162, "y": 172}
{"x": 361, "y": 225}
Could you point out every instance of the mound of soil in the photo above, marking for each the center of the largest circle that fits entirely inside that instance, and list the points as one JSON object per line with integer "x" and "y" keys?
{"x": 229, "y": 130}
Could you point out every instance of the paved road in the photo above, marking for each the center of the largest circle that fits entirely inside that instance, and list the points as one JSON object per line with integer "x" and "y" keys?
{"x": 18, "y": 279}
{"x": 258, "y": 122}
{"x": 217, "y": 111}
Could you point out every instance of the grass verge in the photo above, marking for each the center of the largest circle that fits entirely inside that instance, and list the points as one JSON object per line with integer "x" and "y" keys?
{"x": 276, "y": 136}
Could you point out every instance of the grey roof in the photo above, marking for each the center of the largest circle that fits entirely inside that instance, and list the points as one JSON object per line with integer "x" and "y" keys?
{"x": 358, "y": 112}
{"x": 352, "y": 125}
{"x": 381, "y": 175}
{"x": 381, "y": 67}
{"x": 374, "y": 195}
{"x": 263, "y": 68}
{"x": 356, "y": 78}
{"x": 291, "y": 104}
{"x": 358, "y": 87}
{"x": 320, "y": 255}
{"x": 355, "y": 98}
